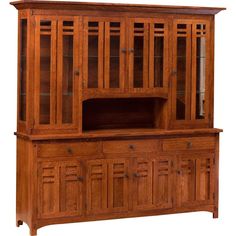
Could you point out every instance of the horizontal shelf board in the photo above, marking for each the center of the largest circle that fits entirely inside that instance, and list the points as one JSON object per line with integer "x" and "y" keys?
{"x": 113, "y": 133}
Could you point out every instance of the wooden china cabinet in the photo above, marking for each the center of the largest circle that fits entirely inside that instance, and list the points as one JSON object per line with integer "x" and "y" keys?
{"x": 115, "y": 111}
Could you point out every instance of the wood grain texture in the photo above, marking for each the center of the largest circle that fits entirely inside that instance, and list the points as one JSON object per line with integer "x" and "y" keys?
{"x": 112, "y": 128}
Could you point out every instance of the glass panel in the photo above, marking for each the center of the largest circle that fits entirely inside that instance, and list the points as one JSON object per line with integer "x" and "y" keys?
{"x": 158, "y": 61}
{"x": 23, "y": 50}
{"x": 138, "y": 62}
{"x": 114, "y": 61}
{"x": 67, "y": 79}
{"x": 45, "y": 62}
{"x": 200, "y": 77}
{"x": 138, "y": 54}
{"x": 181, "y": 78}
{"x": 93, "y": 55}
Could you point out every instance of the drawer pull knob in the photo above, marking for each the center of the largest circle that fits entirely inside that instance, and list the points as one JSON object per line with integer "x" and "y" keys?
{"x": 77, "y": 72}
{"x": 126, "y": 175}
{"x": 80, "y": 178}
{"x": 136, "y": 175}
{"x": 189, "y": 144}
{"x": 131, "y": 147}
{"x": 69, "y": 150}
{"x": 179, "y": 172}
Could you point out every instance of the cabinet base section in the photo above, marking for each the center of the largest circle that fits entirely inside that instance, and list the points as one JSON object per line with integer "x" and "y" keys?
{"x": 44, "y": 222}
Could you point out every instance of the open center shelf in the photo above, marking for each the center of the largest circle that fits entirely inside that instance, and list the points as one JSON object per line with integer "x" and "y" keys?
{"x": 124, "y": 113}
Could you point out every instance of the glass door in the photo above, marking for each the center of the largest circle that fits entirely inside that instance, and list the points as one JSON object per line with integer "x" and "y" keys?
{"x": 56, "y": 72}
{"x": 148, "y": 54}
{"x": 104, "y": 53}
{"x": 45, "y": 71}
{"x": 200, "y": 58}
{"x": 68, "y": 71}
{"x": 190, "y": 75}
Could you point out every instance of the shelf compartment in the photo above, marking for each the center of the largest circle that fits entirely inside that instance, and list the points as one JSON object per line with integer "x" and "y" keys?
{"x": 122, "y": 113}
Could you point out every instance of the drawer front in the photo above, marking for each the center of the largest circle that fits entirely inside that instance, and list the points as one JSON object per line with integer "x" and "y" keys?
{"x": 131, "y": 146}
{"x": 68, "y": 149}
{"x": 195, "y": 143}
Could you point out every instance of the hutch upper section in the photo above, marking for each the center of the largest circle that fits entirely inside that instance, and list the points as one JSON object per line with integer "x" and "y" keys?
{"x": 86, "y": 68}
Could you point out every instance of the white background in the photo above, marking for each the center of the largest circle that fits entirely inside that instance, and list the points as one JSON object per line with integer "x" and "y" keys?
{"x": 194, "y": 224}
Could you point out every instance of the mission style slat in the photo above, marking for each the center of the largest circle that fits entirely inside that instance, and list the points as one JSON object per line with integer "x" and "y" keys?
{"x": 114, "y": 112}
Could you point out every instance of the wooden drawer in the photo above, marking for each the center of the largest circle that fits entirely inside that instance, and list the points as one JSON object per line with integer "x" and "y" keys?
{"x": 68, "y": 149}
{"x": 131, "y": 146}
{"x": 188, "y": 143}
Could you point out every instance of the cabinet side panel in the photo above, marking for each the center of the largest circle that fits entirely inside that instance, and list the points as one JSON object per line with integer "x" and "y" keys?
{"x": 22, "y": 181}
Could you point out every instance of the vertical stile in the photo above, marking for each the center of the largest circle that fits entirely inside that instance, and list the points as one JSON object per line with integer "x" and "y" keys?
{"x": 107, "y": 56}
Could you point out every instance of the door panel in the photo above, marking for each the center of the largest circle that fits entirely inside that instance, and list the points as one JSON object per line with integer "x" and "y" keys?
{"x": 57, "y": 64}
{"x": 190, "y": 73}
{"x": 164, "y": 182}
{"x": 45, "y": 70}
{"x": 143, "y": 184}
{"x": 60, "y": 189}
{"x": 118, "y": 189}
{"x": 148, "y": 54}
{"x": 97, "y": 186}
{"x": 67, "y": 71}
{"x": 49, "y": 189}
{"x": 194, "y": 175}
{"x": 71, "y": 188}
{"x": 104, "y": 53}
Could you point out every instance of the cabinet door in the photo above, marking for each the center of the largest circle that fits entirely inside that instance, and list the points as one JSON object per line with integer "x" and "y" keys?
{"x": 97, "y": 186}
{"x": 118, "y": 188}
{"x": 104, "y": 57}
{"x": 71, "y": 188}
{"x": 59, "y": 189}
{"x": 143, "y": 183}
{"x": 190, "y": 75}
{"x": 49, "y": 189}
{"x": 45, "y": 71}
{"x": 194, "y": 177}
{"x": 148, "y": 54}
{"x": 163, "y": 188}
{"x": 57, "y": 63}
{"x": 68, "y": 71}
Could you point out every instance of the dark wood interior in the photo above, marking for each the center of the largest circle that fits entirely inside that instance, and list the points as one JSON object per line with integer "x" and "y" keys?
{"x": 122, "y": 113}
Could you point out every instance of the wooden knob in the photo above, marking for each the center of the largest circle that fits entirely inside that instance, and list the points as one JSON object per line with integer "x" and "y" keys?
{"x": 80, "y": 178}
{"x": 189, "y": 144}
{"x": 69, "y": 150}
{"x": 126, "y": 175}
{"x": 136, "y": 175}
{"x": 131, "y": 146}
{"x": 77, "y": 72}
